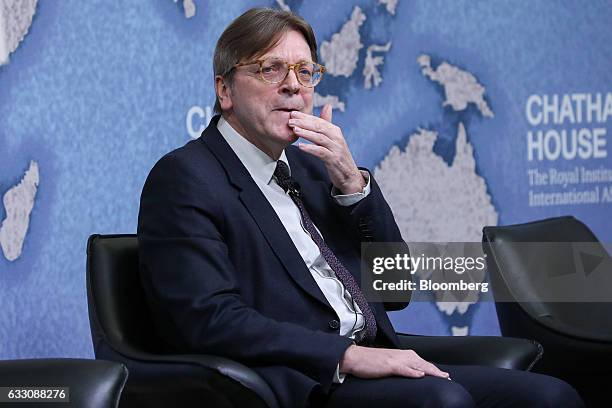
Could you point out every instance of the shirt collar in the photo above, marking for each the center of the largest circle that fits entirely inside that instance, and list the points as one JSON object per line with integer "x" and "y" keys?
{"x": 259, "y": 165}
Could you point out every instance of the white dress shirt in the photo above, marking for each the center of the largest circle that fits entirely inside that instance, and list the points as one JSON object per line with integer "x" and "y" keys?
{"x": 261, "y": 168}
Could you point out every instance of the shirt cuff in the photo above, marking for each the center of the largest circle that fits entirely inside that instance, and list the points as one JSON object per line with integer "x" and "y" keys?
{"x": 346, "y": 200}
{"x": 338, "y": 376}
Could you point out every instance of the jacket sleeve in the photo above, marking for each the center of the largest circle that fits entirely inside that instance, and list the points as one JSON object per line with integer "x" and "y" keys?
{"x": 192, "y": 285}
{"x": 373, "y": 217}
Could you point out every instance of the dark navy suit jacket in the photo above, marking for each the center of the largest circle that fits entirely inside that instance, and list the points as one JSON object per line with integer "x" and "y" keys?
{"x": 223, "y": 277}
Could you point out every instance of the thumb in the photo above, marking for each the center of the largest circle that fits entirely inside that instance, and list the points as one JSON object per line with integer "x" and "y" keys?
{"x": 326, "y": 112}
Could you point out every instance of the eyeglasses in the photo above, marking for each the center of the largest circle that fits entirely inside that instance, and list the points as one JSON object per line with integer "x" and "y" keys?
{"x": 275, "y": 70}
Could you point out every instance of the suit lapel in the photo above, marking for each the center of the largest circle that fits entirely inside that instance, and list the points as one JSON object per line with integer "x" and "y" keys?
{"x": 262, "y": 212}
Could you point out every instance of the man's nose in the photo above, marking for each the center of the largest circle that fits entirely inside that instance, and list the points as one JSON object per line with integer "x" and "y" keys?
{"x": 290, "y": 84}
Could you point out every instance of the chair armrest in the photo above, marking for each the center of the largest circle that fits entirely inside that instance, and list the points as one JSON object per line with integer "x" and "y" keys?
{"x": 92, "y": 383}
{"x": 238, "y": 372}
{"x": 492, "y": 351}
{"x": 159, "y": 380}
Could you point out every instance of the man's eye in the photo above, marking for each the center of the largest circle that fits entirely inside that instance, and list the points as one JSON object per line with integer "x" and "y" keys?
{"x": 270, "y": 68}
{"x": 305, "y": 72}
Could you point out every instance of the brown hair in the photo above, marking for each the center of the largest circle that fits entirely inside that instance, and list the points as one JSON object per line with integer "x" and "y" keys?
{"x": 253, "y": 34}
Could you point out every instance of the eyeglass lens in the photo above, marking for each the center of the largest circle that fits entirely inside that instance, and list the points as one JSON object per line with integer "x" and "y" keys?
{"x": 275, "y": 70}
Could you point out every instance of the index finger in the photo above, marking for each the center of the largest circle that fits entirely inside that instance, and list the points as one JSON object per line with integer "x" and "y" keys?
{"x": 431, "y": 369}
{"x": 312, "y": 122}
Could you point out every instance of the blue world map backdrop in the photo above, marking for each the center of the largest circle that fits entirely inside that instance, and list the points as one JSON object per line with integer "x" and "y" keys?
{"x": 469, "y": 113}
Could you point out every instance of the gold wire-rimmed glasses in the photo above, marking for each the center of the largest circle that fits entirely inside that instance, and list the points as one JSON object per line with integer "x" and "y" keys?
{"x": 274, "y": 70}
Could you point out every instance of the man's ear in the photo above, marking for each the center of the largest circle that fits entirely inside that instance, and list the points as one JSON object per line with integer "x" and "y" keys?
{"x": 224, "y": 92}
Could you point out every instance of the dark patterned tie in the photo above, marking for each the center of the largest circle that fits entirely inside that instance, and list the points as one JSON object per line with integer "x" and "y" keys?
{"x": 284, "y": 180}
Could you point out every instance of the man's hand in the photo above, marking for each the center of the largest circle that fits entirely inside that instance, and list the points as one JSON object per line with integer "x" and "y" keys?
{"x": 367, "y": 362}
{"x": 328, "y": 145}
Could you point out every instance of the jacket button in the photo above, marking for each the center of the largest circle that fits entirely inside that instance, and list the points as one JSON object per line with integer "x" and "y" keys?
{"x": 334, "y": 324}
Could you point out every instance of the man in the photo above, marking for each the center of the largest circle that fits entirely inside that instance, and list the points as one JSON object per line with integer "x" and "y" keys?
{"x": 250, "y": 246}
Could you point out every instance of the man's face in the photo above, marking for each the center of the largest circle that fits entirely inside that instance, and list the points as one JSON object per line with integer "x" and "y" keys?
{"x": 259, "y": 110}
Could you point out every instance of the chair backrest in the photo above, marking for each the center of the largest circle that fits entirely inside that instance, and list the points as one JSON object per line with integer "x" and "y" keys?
{"x": 509, "y": 270}
{"x": 118, "y": 311}
{"x": 558, "y": 229}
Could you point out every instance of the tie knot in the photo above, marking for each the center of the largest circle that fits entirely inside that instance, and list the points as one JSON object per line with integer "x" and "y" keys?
{"x": 282, "y": 176}
{"x": 282, "y": 170}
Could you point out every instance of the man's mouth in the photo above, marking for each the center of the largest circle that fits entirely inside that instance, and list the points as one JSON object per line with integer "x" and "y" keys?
{"x": 287, "y": 109}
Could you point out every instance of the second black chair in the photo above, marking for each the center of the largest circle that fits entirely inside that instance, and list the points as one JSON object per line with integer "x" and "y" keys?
{"x": 577, "y": 336}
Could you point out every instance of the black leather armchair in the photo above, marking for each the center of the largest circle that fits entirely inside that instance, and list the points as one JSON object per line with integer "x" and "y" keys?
{"x": 122, "y": 330}
{"x": 577, "y": 336}
{"x": 91, "y": 383}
